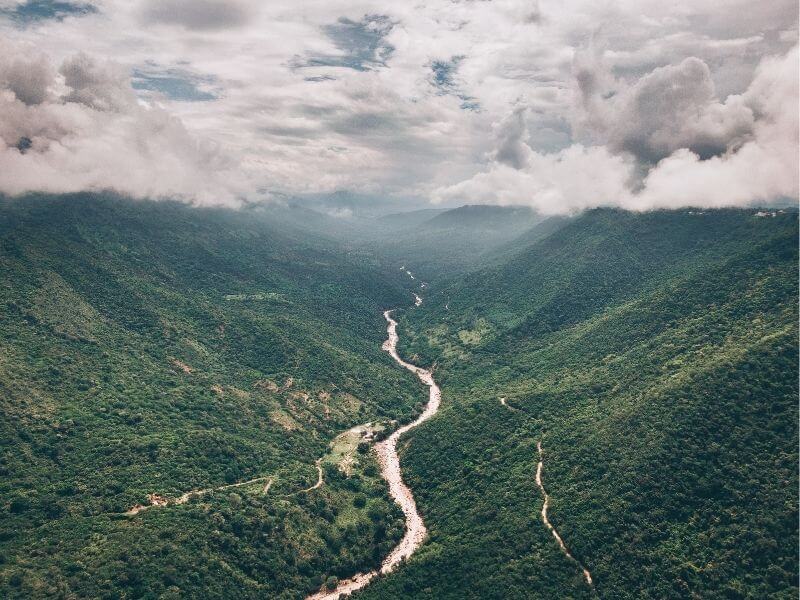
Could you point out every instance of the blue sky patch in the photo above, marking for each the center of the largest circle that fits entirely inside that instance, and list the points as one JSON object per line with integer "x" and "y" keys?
{"x": 443, "y": 78}
{"x": 361, "y": 42}
{"x": 42, "y": 10}
{"x": 175, "y": 84}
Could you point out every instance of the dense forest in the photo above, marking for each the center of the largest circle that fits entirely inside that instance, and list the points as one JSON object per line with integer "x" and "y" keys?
{"x": 155, "y": 348}
{"x": 151, "y": 350}
{"x": 655, "y": 357}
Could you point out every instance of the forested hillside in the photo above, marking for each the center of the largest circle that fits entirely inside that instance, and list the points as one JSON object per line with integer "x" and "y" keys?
{"x": 655, "y": 358}
{"x": 155, "y": 348}
{"x": 215, "y": 361}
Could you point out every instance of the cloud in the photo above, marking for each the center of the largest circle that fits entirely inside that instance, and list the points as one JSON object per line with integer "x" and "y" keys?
{"x": 28, "y": 77}
{"x": 95, "y": 135}
{"x": 754, "y": 161}
{"x": 762, "y": 169}
{"x": 103, "y": 86}
{"x": 670, "y": 108}
{"x": 198, "y": 15}
{"x": 554, "y": 183}
{"x": 511, "y": 135}
{"x": 322, "y": 95}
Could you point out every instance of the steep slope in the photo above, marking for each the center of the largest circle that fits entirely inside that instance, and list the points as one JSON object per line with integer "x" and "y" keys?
{"x": 153, "y": 348}
{"x": 654, "y": 356}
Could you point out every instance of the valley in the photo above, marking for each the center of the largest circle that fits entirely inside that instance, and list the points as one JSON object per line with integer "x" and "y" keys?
{"x": 220, "y": 400}
{"x": 389, "y": 462}
{"x": 443, "y": 300}
{"x": 127, "y": 373}
{"x": 644, "y": 361}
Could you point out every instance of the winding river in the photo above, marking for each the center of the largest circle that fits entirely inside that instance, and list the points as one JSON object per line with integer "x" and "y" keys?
{"x": 390, "y": 470}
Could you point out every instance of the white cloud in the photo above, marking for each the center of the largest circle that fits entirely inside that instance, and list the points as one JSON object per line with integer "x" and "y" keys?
{"x": 672, "y": 107}
{"x": 764, "y": 168}
{"x": 512, "y": 134}
{"x": 761, "y": 166}
{"x": 384, "y": 129}
{"x": 563, "y": 182}
{"x": 28, "y": 77}
{"x": 97, "y": 136}
{"x": 103, "y": 86}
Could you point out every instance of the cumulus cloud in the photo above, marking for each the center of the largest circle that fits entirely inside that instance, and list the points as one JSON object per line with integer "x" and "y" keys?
{"x": 762, "y": 169}
{"x": 28, "y": 77}
{"x": 554, "y": 183}
{"x": 697, "y": 151}
{"x": 670, "y": 108}
{"x": 485, "y": 99}
{"x": 103, "y": 86}
{"x": 81, "y": 128}
{"x": 511, "y": 135}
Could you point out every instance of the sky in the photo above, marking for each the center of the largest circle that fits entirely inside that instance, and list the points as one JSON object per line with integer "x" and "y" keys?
{"x": 560, "y": 105}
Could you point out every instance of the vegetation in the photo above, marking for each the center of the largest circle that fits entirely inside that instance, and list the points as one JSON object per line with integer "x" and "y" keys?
{"x": 154, "y": 348}
{"x": 158, "y": 348}
{"x": 656, "y": 357}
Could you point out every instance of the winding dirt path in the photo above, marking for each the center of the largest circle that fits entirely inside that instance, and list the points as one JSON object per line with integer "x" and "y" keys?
{"x": 319, "y": 482}
{"x": 586, "y": 575}
{"x": 157, "y": 501}
{"x": 390, "y": 469}
{"x": 389, "y": 462}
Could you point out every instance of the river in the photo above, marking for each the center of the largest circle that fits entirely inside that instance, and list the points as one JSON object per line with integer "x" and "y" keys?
{"x": 390, "y": 470}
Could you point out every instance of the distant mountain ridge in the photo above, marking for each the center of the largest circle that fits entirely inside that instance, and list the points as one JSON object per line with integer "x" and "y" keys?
{"x": 486, "y": 217}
